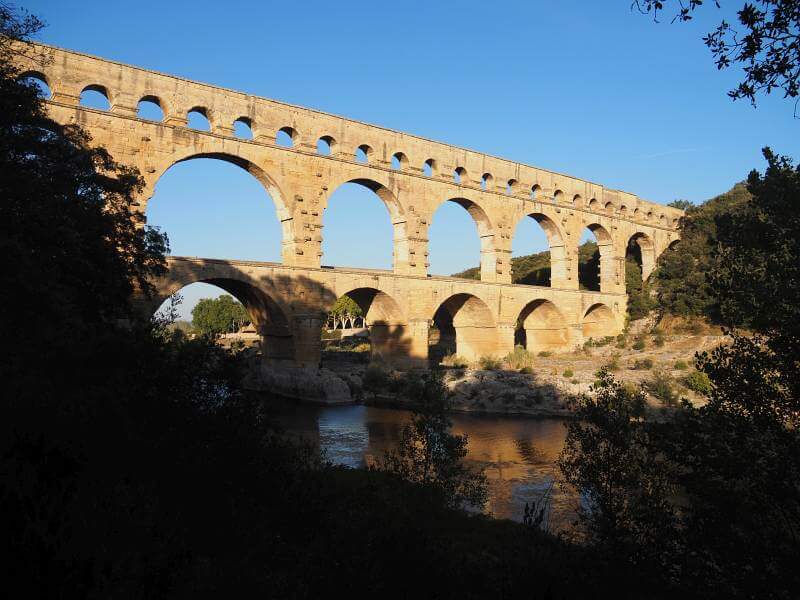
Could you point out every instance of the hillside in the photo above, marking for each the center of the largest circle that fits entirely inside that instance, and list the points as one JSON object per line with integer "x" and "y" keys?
{"x": 534, "y": 269}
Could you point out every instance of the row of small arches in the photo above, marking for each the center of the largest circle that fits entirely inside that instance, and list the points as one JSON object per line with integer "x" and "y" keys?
{"x": 151, "y": 108}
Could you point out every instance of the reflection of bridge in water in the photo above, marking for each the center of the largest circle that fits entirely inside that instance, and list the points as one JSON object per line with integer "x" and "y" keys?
{"x": 288, "y": 302}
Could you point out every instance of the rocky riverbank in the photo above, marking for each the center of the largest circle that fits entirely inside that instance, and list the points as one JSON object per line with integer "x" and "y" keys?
{"x": 657, "y": 359}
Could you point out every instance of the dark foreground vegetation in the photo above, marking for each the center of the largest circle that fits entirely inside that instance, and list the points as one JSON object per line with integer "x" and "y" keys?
{"x": 132, "y": 466}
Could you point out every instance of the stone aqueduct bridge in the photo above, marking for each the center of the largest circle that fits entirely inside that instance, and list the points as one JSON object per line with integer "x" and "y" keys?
{"x": 288, "y": 301}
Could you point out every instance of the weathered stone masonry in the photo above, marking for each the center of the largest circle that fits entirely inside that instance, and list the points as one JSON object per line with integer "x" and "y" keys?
{"x": 288, "y": 300}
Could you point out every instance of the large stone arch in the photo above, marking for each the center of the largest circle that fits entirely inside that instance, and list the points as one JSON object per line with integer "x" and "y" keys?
{"x": 559, "y": 261}
{"x": 486, "y": 234}
{"x": 397, "y": 214}
{"x": 387, "y": 324}
{"x": 541, "y": 326}
{"x": 282, "y": 209}
{"x": 270, "y": 316}
{"x": 466, "y": 327}
{"x": 647, "y": 251}
{"x": 608, "y": 266}
{"x": 598, "y": 322}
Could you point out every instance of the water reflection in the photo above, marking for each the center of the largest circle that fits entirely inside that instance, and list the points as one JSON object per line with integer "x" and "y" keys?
{"x": 518, "y": 454}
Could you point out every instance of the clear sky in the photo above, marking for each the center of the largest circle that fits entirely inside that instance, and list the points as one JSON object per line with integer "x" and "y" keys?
{"x": 587, "y": 88}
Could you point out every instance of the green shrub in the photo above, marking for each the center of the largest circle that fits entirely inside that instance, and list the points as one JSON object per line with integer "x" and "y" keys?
{"x": 601, "y": 342}
{"x": 659, "y": 340}
{"x": 643, "y": 365}
{"x": 567, "y": 373}
{"x": 376, "y": 379}
{"x": 638, "y": 344}
{"x": 698, "y": 382}
{"x": 455, "y": 361}
{"x": 545, "y": 353}
{"x": 519, "y": 359}
{"x": 613, "y": 363}
{"x": 490, "y": 363}
{"x": 680, "y": 365}
{"x": 574, "y": 382}
{"x": 661, "y": 386}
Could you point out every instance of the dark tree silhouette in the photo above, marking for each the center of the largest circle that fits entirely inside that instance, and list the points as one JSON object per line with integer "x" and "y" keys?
{"x": 767, "y": 47}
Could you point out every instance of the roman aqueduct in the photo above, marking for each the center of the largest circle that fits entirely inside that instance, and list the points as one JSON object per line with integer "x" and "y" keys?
{"x": 288, "y": 301}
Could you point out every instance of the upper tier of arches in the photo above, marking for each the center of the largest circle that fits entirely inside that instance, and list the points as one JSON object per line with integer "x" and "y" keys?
{"x": 258, "y": 120}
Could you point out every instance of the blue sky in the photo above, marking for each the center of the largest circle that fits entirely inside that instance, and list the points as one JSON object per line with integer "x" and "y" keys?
{"x": 587, "y": 88}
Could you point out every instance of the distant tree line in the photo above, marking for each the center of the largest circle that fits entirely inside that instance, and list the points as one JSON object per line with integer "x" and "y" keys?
{"x": 215, "y": 316}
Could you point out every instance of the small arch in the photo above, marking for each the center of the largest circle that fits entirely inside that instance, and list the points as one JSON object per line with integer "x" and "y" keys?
{"x": 95, "y": 96}
{"x": 486, "y": 253}
{"x": 641, "y": 250}
{"x": 675, "y": 221}
{"x": 326, "y": 145}
{"x": 596, "y": 259}
{"x": 511, "y": 187}
{"x": 460, "y": 175}
{"x": 594, "y": 204}
{"x": 609, "y": 208}
{"x": 386, "y": 232}
{"x": 636, "y": 213}
{"x": 243, "y": 128}
{"x": 399, "y": 161}
{"x": 268, "y": 316}
{"x": 540, "y": 269}
{"x": 197, "y": 118}
{"x": 38, "y": 79}
{"x": 150, "y": 109}
{"x": 541, "y": 326}
{"x": 662, "y": 219}
{"x": 464, "y": 325}
{"x": 386, "y": 324}
{"x": 623, "y": 210}
{"x": 285, "y": 137}
{"x": 429, "y": 168}
{"x": 558, "y": 196}
{"x": 598, "y": 322}
{"x": 486, "y": 181}
{"x": 536, "y": 189}
{"x": 363, "y": 153}
{"x": 577, "y": 201}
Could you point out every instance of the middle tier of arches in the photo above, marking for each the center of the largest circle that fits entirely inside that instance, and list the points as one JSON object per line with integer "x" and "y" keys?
{"x": 302, "y": 188}
{"x": 412, "y": 322}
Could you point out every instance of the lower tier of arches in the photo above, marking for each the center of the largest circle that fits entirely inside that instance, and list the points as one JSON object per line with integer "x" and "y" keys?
{"x": 412, "y": 322}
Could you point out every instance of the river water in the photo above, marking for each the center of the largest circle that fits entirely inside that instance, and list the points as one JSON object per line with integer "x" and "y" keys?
{"x": 517, "y": 453}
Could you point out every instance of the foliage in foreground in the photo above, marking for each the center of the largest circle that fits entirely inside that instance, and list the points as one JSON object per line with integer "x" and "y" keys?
{"x": 430, "y": 455}
{"x": 708, "y": 502}
{"x": 766, "y": 46}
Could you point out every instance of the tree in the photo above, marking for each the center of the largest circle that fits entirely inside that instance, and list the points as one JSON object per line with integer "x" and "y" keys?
{"x": 66, "y": 215}
{"x": 609, "y": 455}
{"x": 213, "y": 316}
{"x": 680, "y": 204}
{"x": 681, "y": 277}
{"x": 768, "y": 49}
{"x": 713, "y": 492}
{"x": 345, "y": 306}
{"x": 431, "y": 456}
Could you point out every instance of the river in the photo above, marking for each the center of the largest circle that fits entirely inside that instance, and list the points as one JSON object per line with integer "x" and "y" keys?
{"x": 517, "y": 453}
